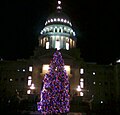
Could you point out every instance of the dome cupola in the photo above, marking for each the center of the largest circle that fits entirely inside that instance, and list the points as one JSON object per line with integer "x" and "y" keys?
{"x": 58, "y": 32}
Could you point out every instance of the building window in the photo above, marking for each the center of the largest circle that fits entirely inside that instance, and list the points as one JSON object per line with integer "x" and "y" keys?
{"x": 101, "y": 101}
{"x": 41, "y": 41}
{"x": 67, "y": 46}
{"x": 93, "y": 73}
{"x": 47, "y": 45}
{"x": 29, "y": 80}
{"x": 23, "y": 70}
{"x": 57, "y": 44}
{"x": 45, "y": 68}
{"x": 28, "y": 91}
{"x": 11, "y": 80}
{"x": 67, "y": 68}
{"x": 30, "y": 68}
{"x": 81, "y": 71}
{"x": 82, "y": 83}
{"x": 81, "y": 94}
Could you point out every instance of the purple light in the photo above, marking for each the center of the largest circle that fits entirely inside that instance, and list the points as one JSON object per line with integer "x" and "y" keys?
{"x": 55, "y": 93}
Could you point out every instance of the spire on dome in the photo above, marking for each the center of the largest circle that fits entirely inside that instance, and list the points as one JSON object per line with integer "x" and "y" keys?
{"x": 59, "y": 7}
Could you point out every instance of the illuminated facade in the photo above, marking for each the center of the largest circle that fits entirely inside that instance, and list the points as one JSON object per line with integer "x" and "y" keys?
{"x": 58, "y": 32}
{"x": 96, "y": 84}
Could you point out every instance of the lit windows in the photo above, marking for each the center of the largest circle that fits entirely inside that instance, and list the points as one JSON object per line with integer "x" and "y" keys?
{"x": 11, "y": 80}
{"x": 73, "y": 33}
{"x": 47, "y": 45}
{"x": 32, "y": 86}
{"x": 81, "y": 94}
{"x": 81, "y": 71}
{"x": 67, "y": 46}
{"x": 78, "y": 88}
{"x": 67, "y": 68}
{"x": 101, "y": 101}
{"x": 45, "y": 68}
{"x": 55, "y": 19}
{"x": 30, "y": 68}
{"x": 57, "y": 44}
{"x": 28, "y": 91}
{"x": 23, "y": 70}
{"x": 93, "y": 73}
{"x": 82, "y": 83}
{"x": 29, "y": 80}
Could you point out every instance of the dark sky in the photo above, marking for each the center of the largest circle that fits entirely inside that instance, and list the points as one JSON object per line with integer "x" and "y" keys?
{"x": 96, "y": 24}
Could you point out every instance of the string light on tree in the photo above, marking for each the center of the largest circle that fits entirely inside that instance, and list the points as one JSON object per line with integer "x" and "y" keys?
{"x": 55, "y": 92}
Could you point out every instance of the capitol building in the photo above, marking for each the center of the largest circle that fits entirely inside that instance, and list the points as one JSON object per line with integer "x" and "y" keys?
{"x": 97, "y": 85}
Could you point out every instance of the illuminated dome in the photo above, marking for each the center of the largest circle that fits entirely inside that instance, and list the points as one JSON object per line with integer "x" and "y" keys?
{"x": 58, "y": 32}
{"x": 58, "y": 17}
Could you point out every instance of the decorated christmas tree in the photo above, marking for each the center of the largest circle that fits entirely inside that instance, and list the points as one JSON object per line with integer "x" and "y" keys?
{"x": 55, "y": 92}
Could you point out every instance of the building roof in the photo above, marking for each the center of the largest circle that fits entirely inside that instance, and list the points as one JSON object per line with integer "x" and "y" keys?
{"x": 58, "y": 17}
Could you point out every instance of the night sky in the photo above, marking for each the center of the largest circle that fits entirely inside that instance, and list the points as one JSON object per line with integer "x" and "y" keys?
{"x": 96, "y": 24}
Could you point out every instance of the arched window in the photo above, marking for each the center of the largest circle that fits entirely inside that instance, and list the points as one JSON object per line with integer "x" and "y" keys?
{"x": 67, "y": 46}
{"x": 47, "y": 45}
{"x": 57, "y": 44}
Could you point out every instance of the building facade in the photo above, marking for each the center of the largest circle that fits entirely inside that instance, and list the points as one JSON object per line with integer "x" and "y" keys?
{"x": 96, "y": 84}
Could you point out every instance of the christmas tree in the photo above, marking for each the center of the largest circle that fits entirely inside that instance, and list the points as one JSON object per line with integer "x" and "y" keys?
{"x": 55, "y": 92}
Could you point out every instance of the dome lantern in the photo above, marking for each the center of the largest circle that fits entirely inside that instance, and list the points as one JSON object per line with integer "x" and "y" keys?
{"x": 58, "y": 32}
